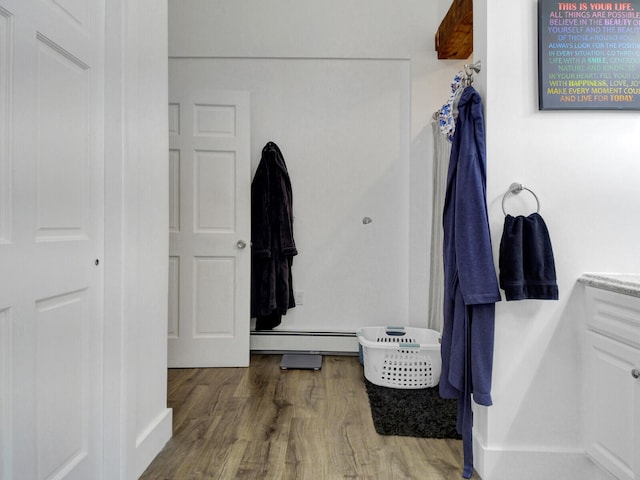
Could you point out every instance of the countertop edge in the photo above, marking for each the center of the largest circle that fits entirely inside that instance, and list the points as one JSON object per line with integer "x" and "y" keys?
{"x": 623, "y": 283}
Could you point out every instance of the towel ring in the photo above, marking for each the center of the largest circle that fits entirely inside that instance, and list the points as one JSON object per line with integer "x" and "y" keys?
{"x": 516, "y": 188}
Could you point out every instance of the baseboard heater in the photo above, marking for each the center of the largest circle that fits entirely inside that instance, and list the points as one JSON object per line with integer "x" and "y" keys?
{"x": 287, "y": 341}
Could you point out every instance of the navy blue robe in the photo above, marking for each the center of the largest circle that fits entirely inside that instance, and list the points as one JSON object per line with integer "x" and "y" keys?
{"x": 471, "y": 286}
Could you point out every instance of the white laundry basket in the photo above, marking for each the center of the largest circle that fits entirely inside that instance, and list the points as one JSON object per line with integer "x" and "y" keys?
{"x": 401, "y": 357}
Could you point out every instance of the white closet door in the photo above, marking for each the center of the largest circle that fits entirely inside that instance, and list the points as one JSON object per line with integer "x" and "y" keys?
{"x": 51, "y": 217}
{"x": 210, "y": 223}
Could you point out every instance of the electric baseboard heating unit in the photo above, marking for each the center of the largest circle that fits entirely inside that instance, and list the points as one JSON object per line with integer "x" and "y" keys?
{"x": 401, "y": 357}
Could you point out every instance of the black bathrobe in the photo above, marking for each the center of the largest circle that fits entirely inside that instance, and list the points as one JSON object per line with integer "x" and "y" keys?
{"x": 272, "y": 243}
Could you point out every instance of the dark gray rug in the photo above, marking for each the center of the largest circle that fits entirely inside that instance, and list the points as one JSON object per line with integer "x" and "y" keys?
{"x": 412, "y": 413}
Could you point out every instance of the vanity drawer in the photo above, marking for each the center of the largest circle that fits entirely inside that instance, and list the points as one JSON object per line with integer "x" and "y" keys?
{"x": 614, "y": 314}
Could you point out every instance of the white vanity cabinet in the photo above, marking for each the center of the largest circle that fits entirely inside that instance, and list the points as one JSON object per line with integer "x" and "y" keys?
{"x": 612, "y": 381}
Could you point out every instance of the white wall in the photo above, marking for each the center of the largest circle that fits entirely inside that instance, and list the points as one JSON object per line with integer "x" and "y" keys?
{"x": 583, "y": 167}
{"x": 137, "y": 422}
{"x": 342, "y": 125}
{"x": 379, "y": 274}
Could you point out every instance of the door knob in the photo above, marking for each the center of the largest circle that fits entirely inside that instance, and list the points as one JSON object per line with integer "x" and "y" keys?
{"x": 241, "y": 244}
{"x": 635, "y": 373}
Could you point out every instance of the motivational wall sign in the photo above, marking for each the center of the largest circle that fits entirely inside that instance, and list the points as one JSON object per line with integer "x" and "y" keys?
{"x": 589, "y": 55}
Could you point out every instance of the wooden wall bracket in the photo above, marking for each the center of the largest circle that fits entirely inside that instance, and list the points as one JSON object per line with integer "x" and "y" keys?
{"x": 454, "y": 38}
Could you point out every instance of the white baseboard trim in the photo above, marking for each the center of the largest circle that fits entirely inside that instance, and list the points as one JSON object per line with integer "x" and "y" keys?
{"x": 302, "y": 341}
{"x": 505, "y": 464}
{"x": 152, "y": 440}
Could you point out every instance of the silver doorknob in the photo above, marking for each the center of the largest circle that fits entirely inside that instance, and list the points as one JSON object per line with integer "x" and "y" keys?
{"x": 635, "y": 373}
{"x": 241, "y": 244}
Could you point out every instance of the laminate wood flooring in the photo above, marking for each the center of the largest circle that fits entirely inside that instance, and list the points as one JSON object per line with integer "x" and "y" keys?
{"x": 265, "y": 423}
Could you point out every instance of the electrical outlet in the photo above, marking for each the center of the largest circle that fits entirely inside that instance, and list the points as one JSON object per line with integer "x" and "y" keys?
{"x": 299, "y": 297}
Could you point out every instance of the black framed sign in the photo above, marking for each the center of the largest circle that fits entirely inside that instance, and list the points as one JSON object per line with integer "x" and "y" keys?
{"x": 589, "y": 55}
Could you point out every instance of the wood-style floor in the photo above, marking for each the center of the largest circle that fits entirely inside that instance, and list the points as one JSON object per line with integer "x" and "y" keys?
{"x": 265, "y": 423}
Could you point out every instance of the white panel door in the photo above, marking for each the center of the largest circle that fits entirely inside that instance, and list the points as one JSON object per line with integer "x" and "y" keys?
{"x": 613, "y": 404}
{"x": 210, "y": 255}
{"x": 51, "y": 214}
